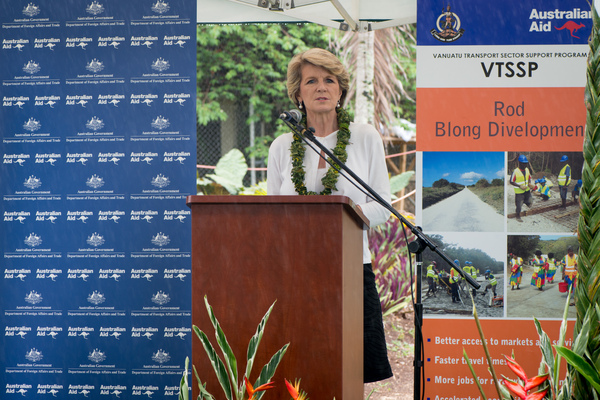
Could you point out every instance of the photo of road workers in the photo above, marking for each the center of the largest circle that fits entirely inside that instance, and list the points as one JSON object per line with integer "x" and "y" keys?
{"x": 463, "y": 191}
{"x": 541, "y": 269}
{"x": 542, "y": 191}
{"x": 446, "y": 293}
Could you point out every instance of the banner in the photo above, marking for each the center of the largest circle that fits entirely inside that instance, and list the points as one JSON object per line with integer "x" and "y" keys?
{"x": 98, "y": 156}
{"x": 501, "y": 100}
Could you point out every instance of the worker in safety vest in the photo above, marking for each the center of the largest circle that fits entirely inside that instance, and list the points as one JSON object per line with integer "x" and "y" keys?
{"x": 431, "y": 275}
{"x": 454, "y": 278}
{"x": 543, "y": 187}
{"x": 471, "y": 270}
{"x": 492, "y": 282}
{"x": 569, "y": 263}
{"x": 521, "y": 180}
{"x": 564, "y": 178}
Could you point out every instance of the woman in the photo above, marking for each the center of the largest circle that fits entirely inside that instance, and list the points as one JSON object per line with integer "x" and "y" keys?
{"x": 516, "y": 272}
{"x": 317, "y": 84}
{"x": 539, "y": 270}
{"x": 551, "y": 268}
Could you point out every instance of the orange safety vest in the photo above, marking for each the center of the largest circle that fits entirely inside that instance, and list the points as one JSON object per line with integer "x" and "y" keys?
{"x": 570, "y": 265}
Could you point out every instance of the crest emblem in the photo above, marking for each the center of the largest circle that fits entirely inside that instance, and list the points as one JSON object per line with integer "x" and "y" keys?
{"x": 95, "y": 240}
{"x": 95, "y": 66}
{"x": 32, "y": 183}
{"x": 160, "y": 239}
{"x": 160, "y": 123}
{"x": 96, "y": 298}
{"x": 33, "y": 297}
{"x": 34, "y": 355}
{"x": 95, "y": 123}
{"x": 161, "y": 298}
{"x": 33, "y": 240}
{"x": 31, "y": 67}
{"x": 447, "y": 26}
{"x": 160, "y": 181}
{"x": 32, "y": 125}
{"x": 31, "y": 10}
{"x": 97, "y": 356}
{"x": 95, "y": 182}
{"x": 160, "y": 65}
{"x": 161, "y": 356}
{"x": 95, "y": 8}
{"x": 160, "y": 7}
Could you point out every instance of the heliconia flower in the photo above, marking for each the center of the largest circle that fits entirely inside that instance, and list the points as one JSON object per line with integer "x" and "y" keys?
{"x": 516, "y": 368}
{"x": 295, "y": 391}
{"x": 251, "y": 390}
{"x": 522, "y": 391}
{"x": 515, "y": 388}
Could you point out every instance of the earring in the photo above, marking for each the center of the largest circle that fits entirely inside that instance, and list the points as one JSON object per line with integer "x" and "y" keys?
{"x": 300, "y": 105}
{"x": 338, "y": 104}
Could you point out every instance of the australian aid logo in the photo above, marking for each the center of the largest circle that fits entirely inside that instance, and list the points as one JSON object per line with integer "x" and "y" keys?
{"x": 559, "y": 20}
{"x": 447, "y": 26}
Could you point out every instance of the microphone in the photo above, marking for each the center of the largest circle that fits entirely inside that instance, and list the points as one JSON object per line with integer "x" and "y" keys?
{"x": 293, "y": 116}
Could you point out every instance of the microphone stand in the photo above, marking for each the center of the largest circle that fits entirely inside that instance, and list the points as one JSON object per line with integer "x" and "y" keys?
{"x": 416, "y": 247}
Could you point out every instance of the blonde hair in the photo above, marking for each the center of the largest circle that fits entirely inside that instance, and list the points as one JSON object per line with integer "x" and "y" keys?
{"x": 319, "y": 58}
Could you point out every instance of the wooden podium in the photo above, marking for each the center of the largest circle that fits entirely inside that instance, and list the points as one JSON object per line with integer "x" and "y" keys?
{"x": 305, "y": 252}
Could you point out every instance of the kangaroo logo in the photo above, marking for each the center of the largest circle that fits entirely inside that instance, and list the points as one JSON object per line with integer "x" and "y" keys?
{"x": 571, "y": 26}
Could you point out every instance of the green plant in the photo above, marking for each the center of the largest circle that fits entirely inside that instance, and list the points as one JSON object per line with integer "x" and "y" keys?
{"x": 229, "y": 175}
{"x": 226, "y": 369}
{"x": 391, "y": 268}
{"x": 547, "y": 385}
{"x": 587, "y": 291}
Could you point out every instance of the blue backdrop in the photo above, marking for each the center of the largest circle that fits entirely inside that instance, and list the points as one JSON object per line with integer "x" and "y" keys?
{"x": 98, "y": 156}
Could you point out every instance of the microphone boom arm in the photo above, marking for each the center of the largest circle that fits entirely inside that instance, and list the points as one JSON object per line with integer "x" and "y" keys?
{"x": 424, "y": 242}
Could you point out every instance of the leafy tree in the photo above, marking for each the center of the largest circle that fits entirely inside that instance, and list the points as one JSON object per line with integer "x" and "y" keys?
{"x": 482, "y": 183}
{"x": 440, "y": 183}
{"x": 523, "y": 246}
{"x": 248, "y": 64}
{"x": 498, "y": 182}
{"x": 393, "y": 88}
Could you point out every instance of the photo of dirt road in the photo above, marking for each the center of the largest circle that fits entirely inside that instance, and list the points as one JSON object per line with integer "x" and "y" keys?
{"x": 469, "y": 214}
{"x": 463, "y": 192}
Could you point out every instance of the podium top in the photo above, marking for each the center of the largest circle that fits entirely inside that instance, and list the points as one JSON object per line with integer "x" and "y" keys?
{"x": 345, "y": 201}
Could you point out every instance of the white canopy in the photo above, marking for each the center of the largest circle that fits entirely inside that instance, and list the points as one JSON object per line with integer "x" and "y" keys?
{"x": 360, "y": 15}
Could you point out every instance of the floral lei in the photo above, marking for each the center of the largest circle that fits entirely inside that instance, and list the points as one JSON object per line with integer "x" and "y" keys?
{"x": 331, "y": 177}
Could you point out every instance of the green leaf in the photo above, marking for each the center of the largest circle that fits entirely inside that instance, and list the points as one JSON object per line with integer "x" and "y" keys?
{"x": 202, "y": 388}
{"x": 546, "y": 349}
{"x": 589, "y": 372}
{"x": 255, "y": 340}
{"x": 230, "y": 171}
{"x": 216, "y": 362}
{"x": 184, "y": 389}
{"x": 466, "y": 357}
{"x": 267, "y": 372}
{"x": 230, "y": 359}
{"x": 581, "y": 341}
{"x": 399, "y": 182}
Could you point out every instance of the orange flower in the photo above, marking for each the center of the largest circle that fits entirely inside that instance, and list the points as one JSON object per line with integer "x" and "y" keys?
{"x": 295, "y": 391}
{"x": 251, "y": 390}
{"x": 525, "y": 392}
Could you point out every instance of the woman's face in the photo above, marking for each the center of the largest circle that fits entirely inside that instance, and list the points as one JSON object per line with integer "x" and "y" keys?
{"x": 319, "y": 89}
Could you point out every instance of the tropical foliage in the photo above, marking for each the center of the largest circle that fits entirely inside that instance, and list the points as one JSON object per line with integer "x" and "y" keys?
{"x": 587, "y": 292}
{"x": 226, "y": 368}
{"x": 394, "y": 78}
{"x": 247, "y": 64}
{"x": 389, "y": 257}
